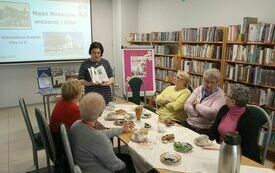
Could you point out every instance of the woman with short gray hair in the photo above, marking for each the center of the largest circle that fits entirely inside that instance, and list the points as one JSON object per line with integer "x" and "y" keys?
{"x": 203, "y": 104}
{"x": 91, "y": 147}
{"x": 235, "y": 117}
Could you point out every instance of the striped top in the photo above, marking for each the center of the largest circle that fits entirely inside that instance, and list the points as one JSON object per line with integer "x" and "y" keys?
{"x": 105, "y": 91}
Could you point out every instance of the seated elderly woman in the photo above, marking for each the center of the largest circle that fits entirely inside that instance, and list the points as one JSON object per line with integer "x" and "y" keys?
{"x": 235, "y": 117}
{"x": 172, "y": 98}
{"x": 91, "y": 147}
{"x": 203, "y": 104}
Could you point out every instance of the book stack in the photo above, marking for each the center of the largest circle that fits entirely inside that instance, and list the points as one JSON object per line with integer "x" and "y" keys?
{"x": 140, "y": 36}
{"x": 162, "y": 49}
{"x": 208, "y": 34}
{"x": 165, "y": 36}
{"x": 203, "y": 51}
{"x": 166, "y": 62}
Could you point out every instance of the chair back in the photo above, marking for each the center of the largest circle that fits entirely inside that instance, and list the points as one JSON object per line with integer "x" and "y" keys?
{"x": 135, "y": 84}
{"x": 46, "y": 135}
{"x": 25, "y": 113}
{"x": 261, "y": 112}
{"x": 67, "y": 147}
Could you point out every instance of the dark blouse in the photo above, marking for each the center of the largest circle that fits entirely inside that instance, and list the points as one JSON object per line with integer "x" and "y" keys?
{"x": 105, "y": 91}
{"x": 248, "y": 127}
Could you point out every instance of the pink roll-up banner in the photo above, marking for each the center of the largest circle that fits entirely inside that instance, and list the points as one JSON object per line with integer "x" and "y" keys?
{"x": 139, "y": 62}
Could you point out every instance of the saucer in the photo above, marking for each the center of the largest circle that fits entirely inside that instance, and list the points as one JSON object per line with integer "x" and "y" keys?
{"x": 145, "y": 115}
{"x": 134, "y": 139}
{"x": 170, "y": 158}
{"x": 202, "y": 145}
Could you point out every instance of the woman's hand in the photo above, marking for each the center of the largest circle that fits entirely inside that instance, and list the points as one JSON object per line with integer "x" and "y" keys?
{"x": 195, "y": 103}
{"x": 109, "y": 83}
{"x": 128, "y": 126}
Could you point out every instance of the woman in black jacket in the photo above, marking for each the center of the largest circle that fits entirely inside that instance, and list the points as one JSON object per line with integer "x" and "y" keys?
{"x": 236, "y": 117}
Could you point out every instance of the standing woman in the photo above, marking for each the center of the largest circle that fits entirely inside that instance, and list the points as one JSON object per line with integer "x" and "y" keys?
{"x": 96, "y": 51}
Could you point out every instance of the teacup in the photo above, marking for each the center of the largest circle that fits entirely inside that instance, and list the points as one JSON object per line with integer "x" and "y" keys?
{"x": 161, "y": 127}
{"x": 203, "y": 139}
{"x": 112, "y": 105}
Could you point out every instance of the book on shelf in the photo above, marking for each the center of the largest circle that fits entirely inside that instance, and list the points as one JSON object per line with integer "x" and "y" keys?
{"x": 98, "y": 74}
{"x": 207, "y": 34}
{"x": 245, "y": 27}
{"x": 44, "y": 77}
{"x": 58, "y": 76}
{"x": 262, "y": 97}
{"x": 165, "y": 36}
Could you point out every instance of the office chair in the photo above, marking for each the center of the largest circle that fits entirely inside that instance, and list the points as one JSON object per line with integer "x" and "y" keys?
{"x": 35, "y": 137}
{"x": 46, "y": 136}
{"x": 67, "y": 147}
{"x": 264, "y": 118}
{"x": 135, "y": 84}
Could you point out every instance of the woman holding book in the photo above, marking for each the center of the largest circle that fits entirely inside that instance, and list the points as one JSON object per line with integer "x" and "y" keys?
{"x": 204, "y": 103}
{"x": 172, "y": 98}
{"x": 97, "y": 62}
{"x": 235, "y": 117}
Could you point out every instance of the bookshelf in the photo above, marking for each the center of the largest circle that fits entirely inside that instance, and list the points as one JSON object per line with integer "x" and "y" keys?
{"x": 244, "y": 54}
{"x": 201, "y": 48}
{"x": 250, "y": 61}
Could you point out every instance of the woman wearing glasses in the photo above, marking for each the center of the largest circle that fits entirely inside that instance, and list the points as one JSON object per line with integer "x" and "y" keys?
{"x": 203, "y": 104}
{"x": 172, "y": 98}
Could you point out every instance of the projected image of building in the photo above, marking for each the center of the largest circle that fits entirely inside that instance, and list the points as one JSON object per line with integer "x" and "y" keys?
{"x": 68, "y": 43}
{"x": 14, "y": 16}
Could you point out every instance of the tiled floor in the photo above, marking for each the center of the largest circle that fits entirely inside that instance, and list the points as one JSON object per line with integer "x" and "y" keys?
{"x": 15, "y": 144}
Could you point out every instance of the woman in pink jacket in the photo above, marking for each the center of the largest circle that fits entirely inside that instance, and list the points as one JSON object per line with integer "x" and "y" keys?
{"x": 204, "y": 103}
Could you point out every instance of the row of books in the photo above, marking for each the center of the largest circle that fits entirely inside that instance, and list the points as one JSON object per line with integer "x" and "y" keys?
{"x": 210, "y": 34}
{"x": 258, "y": 96}
{"x": 165, "y": 75}
{"x": 162, "y": 49}
{"x": 261, "y": 32}
{"x": 250, "y": 74}
{"x": 160, "y": 85}
{"x": 251, "y": 54}
{"x": 140, "y": 36}
{"x": 166, "y": 62}
{"x": 165, "y": 36}
{"x": 197, "y": 66}
{"x": 196, "y": 81}
{"x": 204, "y": 51}
{"x": 252, "y": 31}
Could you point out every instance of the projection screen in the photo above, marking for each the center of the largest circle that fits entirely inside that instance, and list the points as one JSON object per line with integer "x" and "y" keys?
{"x": 44, "y": 30}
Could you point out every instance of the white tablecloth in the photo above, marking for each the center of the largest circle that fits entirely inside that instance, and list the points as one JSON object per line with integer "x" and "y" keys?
{"x": 147, "y": 155}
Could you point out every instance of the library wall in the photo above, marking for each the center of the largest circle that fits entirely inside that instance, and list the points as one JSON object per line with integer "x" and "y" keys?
{"x": 163, "y": 15}
{"x": 20, "y": 80}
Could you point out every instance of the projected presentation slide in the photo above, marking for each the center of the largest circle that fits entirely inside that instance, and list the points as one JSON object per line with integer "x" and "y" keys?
{"x": 44, "y": 30}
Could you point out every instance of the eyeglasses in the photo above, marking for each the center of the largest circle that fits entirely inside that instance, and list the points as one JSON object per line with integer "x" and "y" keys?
{"x": 178, "y": 78}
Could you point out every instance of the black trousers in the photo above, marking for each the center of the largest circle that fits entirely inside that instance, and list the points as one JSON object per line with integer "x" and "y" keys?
{"x": 129, "y": 163}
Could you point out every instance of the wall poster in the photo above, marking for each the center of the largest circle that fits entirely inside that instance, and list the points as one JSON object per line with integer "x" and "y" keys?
{"x": 139, "y": 61}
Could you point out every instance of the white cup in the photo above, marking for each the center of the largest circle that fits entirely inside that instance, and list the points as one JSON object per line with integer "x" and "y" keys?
{"x": 203, "y": 139}
{"x": 161, "y": 127}
{"x": 112, "y": 106}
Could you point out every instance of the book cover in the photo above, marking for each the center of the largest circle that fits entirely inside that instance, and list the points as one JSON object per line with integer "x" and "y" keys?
{"x": 44, "y": 77}
{"x": 98, "y": 75}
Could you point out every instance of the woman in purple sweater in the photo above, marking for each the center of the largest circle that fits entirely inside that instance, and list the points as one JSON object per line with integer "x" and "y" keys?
{"x": 203, "y": 104}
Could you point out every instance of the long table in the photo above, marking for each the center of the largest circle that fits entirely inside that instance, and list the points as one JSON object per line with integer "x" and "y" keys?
{"x": 186, "y": 135}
